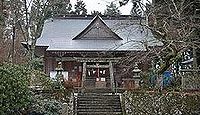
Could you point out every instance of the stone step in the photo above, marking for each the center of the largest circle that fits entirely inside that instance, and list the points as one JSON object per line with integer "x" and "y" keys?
{"x": 99, "y": 113}
{"x": 98, "y": 97}
{"x": 99, "y": 109}
{"x": 95, "y": 103}
{"x": 98, "y": 100}
{"x": 98, "y": 104}
{"x": 98, "y": 90}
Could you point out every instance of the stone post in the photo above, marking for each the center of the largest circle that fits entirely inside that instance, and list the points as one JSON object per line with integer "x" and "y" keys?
{"x": 111, "y": 76}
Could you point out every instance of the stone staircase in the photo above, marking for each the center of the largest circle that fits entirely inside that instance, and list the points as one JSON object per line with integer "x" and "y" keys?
{"x": 98, "y": 104}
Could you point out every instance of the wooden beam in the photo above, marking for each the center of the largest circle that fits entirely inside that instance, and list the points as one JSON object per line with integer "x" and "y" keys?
{"x": 99, "y": 66}
{"x": 97, "y": 59}
{"x": 66, "y": 59}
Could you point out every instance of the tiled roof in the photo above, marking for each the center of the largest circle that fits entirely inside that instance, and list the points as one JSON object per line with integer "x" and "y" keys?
{"x": 58, "y": 34}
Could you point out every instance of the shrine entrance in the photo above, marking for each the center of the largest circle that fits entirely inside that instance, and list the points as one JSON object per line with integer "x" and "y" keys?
{"x": 97, "y": 75}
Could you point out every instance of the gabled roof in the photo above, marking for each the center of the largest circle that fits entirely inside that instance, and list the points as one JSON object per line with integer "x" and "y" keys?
{"x": 97, "y": 30}
{"x": 70, "y": 34}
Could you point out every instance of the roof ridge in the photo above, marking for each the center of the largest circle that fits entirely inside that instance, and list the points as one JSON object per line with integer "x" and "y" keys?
{"x": 105, "y": 17}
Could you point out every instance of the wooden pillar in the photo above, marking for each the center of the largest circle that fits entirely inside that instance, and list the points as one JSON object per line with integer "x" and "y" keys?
{"x": 84, "y": 73}
{"x": 111, "y": 76}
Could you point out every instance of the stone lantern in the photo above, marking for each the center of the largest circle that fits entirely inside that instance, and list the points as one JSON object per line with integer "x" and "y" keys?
{"x": 59, "y": 75}
{"x": 136, "y": 76}
{"x": 59, "y": 69}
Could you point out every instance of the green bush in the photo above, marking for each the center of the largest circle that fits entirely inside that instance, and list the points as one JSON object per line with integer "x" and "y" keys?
{"x": 15, "y": 95}
{"x": 46, "y": 106}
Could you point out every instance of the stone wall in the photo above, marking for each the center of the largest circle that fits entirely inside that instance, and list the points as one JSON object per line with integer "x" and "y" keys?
{"x": 157, "y": 103}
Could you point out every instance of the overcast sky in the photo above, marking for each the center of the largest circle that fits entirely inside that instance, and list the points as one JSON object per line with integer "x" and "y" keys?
{"x": 100, "y": 5}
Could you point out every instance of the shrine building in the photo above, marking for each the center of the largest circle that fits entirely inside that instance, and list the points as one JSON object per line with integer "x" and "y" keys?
{"x": 90, "y": 47}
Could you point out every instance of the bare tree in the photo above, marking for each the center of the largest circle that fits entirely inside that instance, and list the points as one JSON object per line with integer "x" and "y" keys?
{"x": 21, "y": 20}
{"x": 174, "y": 23}
{"x": 2, "y": 27}
{"x": 9, "y": 9}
